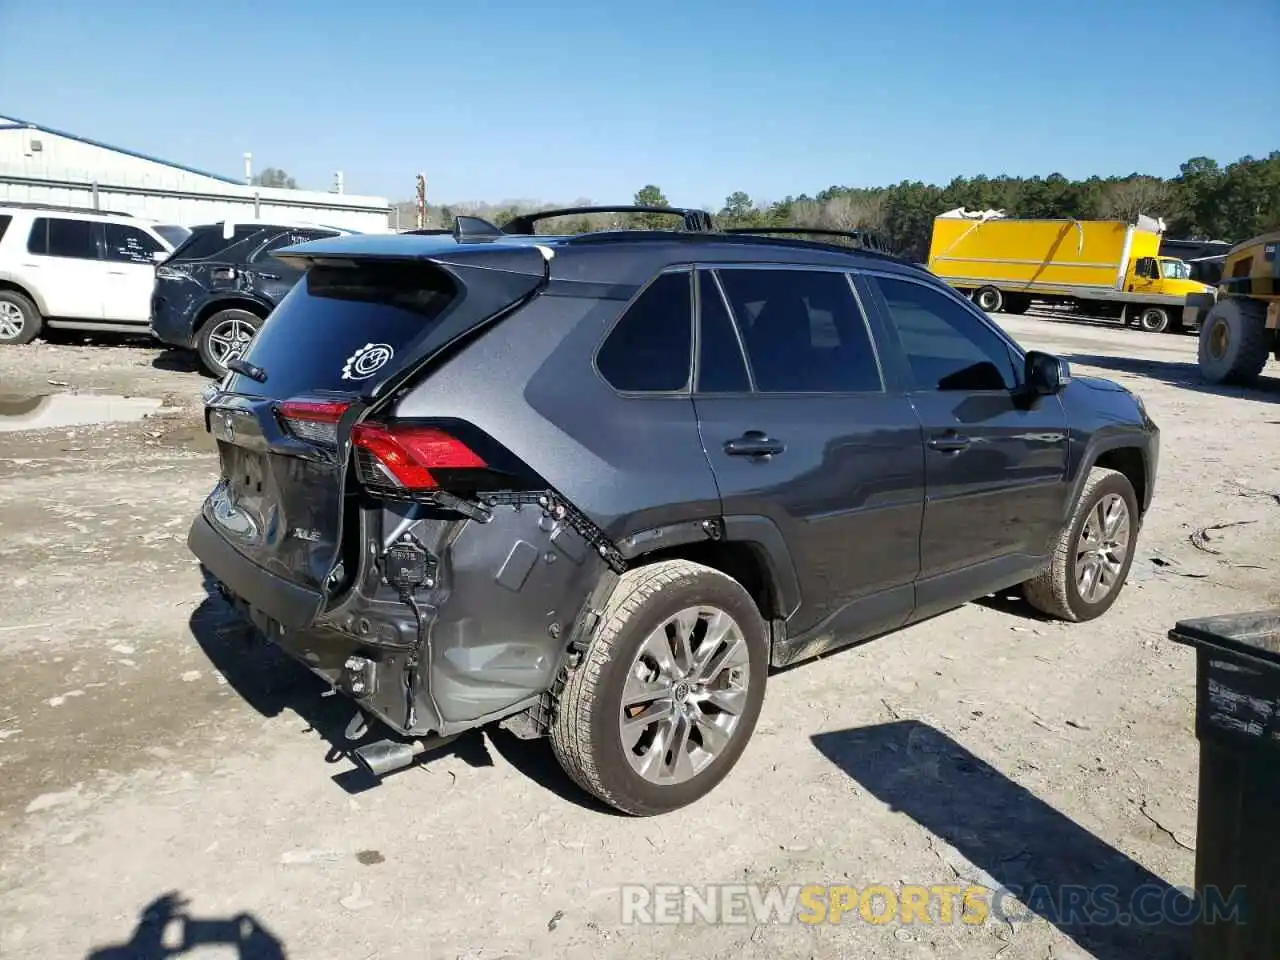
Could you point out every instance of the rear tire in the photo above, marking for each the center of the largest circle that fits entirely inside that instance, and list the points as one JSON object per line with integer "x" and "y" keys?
{"x": 591, "y": 731}
{"x": 1017, "y": 303}
{"x": 1064, "y": 588}
{"x": 1234, "y": 341}
{"x": 20, "y": 320}
{"x": 989, "y": 299}
{"x": 225, "y": 335}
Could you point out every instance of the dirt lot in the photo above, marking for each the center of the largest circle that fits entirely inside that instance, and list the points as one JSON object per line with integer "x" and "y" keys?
{"x": 153, "y": 763}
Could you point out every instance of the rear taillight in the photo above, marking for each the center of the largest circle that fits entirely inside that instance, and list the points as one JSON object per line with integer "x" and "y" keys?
{"x": 314, "y": 420}
{"x": 407, "y": 457}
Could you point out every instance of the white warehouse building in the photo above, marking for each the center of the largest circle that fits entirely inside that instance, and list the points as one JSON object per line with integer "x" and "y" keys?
{"x": 46, "y": 166}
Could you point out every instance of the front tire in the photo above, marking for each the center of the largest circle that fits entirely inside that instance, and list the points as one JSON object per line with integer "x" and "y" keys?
{"x": 1154, "y": 320}
{"x": 1092, "y": 555}
{"x": 669, "y": 691}
{"x": 1234, "y": 341}
{"x": 20, "y": 319}
{"x": 224, "y": 336}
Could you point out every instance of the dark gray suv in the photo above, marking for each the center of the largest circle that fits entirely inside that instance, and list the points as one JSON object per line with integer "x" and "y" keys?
{"x": 595, "y": 487}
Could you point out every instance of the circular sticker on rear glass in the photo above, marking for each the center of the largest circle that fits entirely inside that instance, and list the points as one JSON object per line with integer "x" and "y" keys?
{"x": 367, "y": 361}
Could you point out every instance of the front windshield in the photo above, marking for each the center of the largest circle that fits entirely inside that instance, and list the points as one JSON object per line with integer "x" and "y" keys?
{"x": 1175, "y": 270}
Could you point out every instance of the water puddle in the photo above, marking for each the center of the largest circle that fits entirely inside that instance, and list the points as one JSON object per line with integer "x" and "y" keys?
{"x": 43, "y": 411}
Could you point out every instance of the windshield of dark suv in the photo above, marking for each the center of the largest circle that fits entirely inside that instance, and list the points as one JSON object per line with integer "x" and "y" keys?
{"x": 344, "y": 329}
{"x": 207, "y": 241}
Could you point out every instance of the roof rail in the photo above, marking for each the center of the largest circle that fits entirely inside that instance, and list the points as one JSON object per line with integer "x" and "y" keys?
{"x": 61, "y": 208}
{"x": 862, "y": 238}
{"x": 468, "y": 229}
{"x": 697, "y": 221}
{"x": 429, "y": 232}
{"x": 723, "y": 236}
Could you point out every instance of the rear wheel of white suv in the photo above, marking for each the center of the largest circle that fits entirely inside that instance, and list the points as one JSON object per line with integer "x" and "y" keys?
{"x": 669, "y": 691}
{"x": 20, "y": 320}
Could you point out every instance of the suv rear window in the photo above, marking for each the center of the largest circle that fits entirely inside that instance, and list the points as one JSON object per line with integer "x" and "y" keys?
{"x": 208, "y": 241}
{"x": 344, "y": 329}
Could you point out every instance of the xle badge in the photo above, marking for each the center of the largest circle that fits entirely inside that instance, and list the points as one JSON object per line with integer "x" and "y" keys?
{"x": 367, "y": 361}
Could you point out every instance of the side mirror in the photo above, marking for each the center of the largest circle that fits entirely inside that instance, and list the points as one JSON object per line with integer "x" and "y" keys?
{"x": 1046, "y": 374}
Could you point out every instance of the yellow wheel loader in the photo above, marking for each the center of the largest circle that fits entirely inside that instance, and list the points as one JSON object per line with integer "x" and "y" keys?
{"x": 1240, "y": 321}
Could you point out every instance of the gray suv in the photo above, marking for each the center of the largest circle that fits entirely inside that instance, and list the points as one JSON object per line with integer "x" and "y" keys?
{"x": 595, "y": 487}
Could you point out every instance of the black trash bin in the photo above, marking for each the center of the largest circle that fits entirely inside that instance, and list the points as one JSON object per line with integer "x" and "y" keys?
{"x": 1238, "y": 824}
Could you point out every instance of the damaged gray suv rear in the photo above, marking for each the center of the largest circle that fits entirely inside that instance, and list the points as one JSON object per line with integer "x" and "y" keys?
{"x": 595, "y": 487}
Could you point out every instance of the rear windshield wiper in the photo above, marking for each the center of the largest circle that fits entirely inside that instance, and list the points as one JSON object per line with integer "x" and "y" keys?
{"x": 250, "y": 370}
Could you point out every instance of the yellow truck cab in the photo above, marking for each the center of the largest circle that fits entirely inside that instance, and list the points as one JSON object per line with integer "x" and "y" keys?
{"x": 1108, "y": 268}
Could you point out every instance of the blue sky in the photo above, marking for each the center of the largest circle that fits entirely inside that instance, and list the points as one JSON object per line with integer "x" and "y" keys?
{"x": 494, "y": 99}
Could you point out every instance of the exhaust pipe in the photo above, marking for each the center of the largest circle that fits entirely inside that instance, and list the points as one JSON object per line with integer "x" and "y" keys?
{"x": 387, "y": 756}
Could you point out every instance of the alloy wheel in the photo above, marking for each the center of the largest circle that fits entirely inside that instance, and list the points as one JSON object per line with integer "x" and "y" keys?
{"x": 1102, "y": 548}
{"x": 12, "y": 320}
{"x": 228, "y": 339}
{"x": 684, "y": 695}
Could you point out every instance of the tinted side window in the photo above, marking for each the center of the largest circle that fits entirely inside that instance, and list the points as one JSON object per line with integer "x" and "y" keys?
{"x": 71, "y": 238}
{"x": 947, "y": 346}
{"x": 38, "y": 238}
{"x": 649, "y": 349}
{"x": 130, "y": 245}
{"x": 803, "y": 331}
{"x": 721, "y": 367}
{"x": 5, "y": 220}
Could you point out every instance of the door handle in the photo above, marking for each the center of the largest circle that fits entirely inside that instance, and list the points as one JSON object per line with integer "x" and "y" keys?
{"x": 269, "y": 276}
{"x": 950, "y": 442}
{"x": 753, "y": 443}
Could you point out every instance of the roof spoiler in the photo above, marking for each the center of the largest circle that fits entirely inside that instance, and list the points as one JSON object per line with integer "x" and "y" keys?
{"x": 861, "y": 238}
{"x": 695, "y": 221}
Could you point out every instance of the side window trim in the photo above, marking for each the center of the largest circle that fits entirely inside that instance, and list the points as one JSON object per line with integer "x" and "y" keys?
{"x": 858, "y": 303}
{"x": 708, "y": 275}
{"x": 681, "y": 393}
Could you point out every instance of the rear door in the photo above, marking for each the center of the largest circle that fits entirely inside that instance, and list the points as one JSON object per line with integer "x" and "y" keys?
{"x": 803, "y": 429}
{"x": 64, "y": 260}
{"x": 269, "y": 277}
{"x": 339, "y": 335}
{"x": 130, "y": 272}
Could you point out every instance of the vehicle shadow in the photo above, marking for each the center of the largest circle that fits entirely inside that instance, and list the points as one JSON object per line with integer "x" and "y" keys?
{"x": 272, "y": 682}
{"x": 1178, "y": 374}
{"x": 175, "y": 360}
{"x": 165, "y": 929}
{"x": 1055, "y": 868}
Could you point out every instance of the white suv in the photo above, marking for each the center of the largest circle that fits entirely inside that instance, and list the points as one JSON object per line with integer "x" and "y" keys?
{"x": 77, "y": 270}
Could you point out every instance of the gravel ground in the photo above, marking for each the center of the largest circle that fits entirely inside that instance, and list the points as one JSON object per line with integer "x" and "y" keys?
{"x": 156, "y": 764}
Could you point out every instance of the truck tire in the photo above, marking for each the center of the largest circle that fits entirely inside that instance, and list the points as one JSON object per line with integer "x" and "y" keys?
{"x": 989, "y": 299}
{"x": 1154, "y": 319}
{"x": 1234, "y": 341}
{"x": 1017, "y": 303}
{"x": 1103, "y": 523}
{"x": 681, "y": 754}
{"x": 20, "y": 319}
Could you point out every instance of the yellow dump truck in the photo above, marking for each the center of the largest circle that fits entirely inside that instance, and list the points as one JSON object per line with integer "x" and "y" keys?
{"x": 1108, "y": 268}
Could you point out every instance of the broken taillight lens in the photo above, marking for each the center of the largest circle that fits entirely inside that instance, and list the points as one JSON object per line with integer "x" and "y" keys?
{"x": 406, "y": 456}
{"x": 314, "y": 420}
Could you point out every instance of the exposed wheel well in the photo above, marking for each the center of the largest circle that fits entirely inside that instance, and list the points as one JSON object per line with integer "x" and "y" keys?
{"x": 736, "y": 558}
{"x": 1127, "y": 460}
{"x": 229, "y": 303}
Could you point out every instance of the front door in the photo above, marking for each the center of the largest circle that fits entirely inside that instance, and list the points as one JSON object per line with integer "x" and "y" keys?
{"x": 995, "y": 459}
{"x": 803, "y": 432}
{"x": 130, "y": 273}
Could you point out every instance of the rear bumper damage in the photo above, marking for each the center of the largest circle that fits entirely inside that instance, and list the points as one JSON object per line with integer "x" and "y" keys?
{"x": 486, "y": 636}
